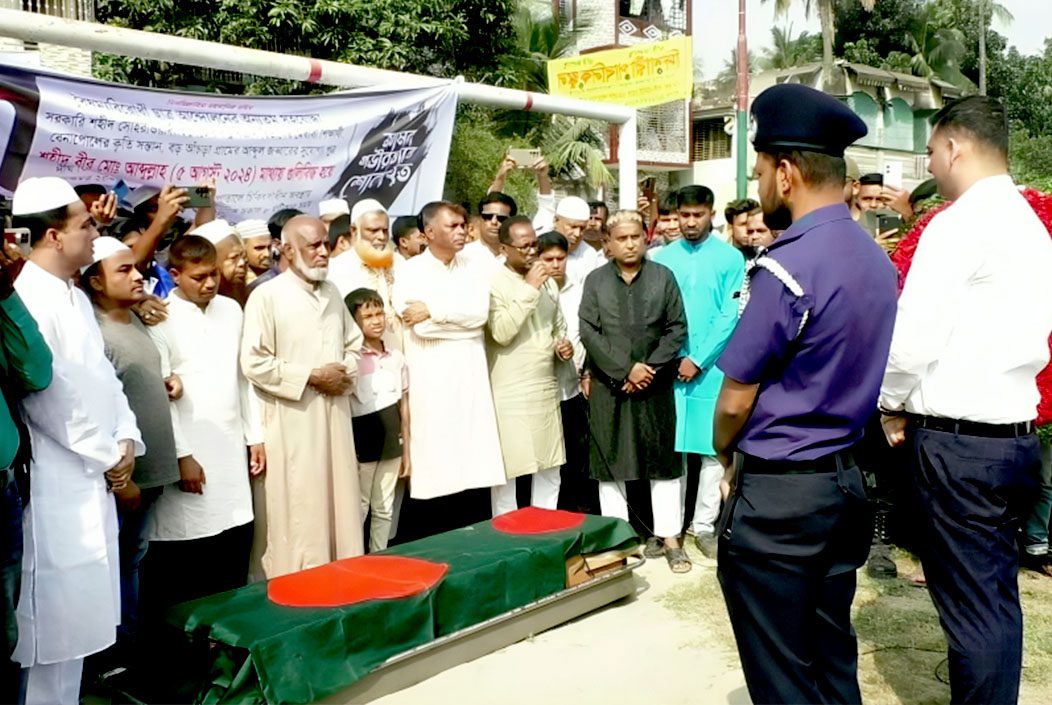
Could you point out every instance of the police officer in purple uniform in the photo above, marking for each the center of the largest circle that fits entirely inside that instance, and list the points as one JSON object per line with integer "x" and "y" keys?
{"x": 803, "y": 372}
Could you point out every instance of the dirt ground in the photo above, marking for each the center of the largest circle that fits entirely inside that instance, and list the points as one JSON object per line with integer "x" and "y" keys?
{"x": 671, "y": 644}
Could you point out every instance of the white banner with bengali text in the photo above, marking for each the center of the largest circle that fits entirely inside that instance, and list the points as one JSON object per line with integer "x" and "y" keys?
{"x": 265, "y": 153}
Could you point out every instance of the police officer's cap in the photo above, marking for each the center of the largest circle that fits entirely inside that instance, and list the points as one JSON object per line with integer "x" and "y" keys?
{"x": 792, "y": 116}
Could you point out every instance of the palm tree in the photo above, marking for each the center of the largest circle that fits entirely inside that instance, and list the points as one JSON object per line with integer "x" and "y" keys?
{"x": 937, "y": 53}
{"x": 728, "y": 76}
{"x": 996, "y": 11}
{"x": 827, "y": 18}
{"x": 786, "y": 51}
{"x": 574, "y": 147}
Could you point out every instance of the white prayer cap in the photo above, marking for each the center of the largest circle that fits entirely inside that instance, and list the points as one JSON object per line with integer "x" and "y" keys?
{"x": 252, "y": 228}
{"x": 42, "y": 193}
{"x": 369, "y": 205}
{"x": 103, "y": 248}
{"x": 573, "y": 208}
{"x": 141, "y": 195}
{"x": 333, "y": 206}
{"x": 215, "y": 231}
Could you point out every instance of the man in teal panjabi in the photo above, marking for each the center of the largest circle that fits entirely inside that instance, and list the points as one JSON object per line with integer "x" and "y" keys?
{"x": 709, "y": 273}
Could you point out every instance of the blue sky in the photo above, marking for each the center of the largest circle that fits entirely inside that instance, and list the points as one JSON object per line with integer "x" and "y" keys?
{"x": 716, "y": 27}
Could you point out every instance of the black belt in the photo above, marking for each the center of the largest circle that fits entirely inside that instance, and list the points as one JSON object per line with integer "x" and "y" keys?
{"x": 974, "y": 428}
{"x": 826, "y": 464}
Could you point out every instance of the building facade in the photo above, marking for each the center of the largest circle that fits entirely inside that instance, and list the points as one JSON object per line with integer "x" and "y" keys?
{"x": 896, "y": 108}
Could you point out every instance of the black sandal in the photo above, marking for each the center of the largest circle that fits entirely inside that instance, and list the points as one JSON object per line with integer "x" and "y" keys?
{"x": 678, "y": 561}
{"x": 655, "y": 548}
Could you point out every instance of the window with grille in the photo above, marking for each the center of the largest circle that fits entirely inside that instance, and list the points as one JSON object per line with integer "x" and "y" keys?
{"x": 710, "y": 140}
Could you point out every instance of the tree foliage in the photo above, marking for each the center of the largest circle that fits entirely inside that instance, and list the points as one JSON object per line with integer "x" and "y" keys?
{"x": 787, "y": 51}
{"x": 475, "y": 155}
{"x": 442, "y": 38}
{"x": 883, "y": 29}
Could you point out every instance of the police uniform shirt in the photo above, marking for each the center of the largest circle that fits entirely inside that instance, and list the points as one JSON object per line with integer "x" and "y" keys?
{"x": 816, "y": 391}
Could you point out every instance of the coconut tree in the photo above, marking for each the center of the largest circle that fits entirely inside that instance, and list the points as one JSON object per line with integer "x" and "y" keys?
{"x": 988, "y": 10}
{"x": 937, "y": 51}
{"x": 787, "y": 51}
{"x": 827, "y": 18}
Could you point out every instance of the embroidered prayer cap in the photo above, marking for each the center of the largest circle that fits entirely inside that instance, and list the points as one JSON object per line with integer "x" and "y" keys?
{"x": 215, "y": 231}
{"x": 104, "y": 247}
{"x": 792, "y": 116}
{"x": 573, "y": 208}
{"x": 369, "y": 205}
{"x": 333, "y": 206}
{"x": 42, "y": 193}
{"x": 141, "y": 195}
{"x": 252, "y": 228}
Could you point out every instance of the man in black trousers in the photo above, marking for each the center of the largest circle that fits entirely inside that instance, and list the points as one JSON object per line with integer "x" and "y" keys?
{"x": 960, "y": 391}
{"x": 802, "y": 374}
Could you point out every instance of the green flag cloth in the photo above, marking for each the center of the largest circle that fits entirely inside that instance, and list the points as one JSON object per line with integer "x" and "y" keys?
{"x": 272, "y": 653}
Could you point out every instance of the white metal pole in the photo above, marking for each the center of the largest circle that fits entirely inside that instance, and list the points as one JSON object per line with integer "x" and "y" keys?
{"x": 35, "y": 27}
{"x": 31, "y": 26}
{"x": 626, "y": 157}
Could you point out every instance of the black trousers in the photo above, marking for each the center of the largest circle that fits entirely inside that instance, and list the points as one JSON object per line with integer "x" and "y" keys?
{"x": 10, "y": 582}
{"x": 179, "y": 571}
{"x": 578, "y": 492}
{"x": 788, "y": 549}
{"x": 973, "y": 494}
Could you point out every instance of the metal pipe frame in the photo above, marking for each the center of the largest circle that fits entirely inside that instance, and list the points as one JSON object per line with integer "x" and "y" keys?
{"x": 34, "y": 27}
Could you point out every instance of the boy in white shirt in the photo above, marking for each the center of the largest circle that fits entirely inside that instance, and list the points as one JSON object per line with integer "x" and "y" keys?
{"x": 380, "y": 416}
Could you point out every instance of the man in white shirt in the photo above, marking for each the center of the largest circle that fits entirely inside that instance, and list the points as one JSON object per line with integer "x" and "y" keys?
{"x": 201, "y": 527}
{"x": 85, "y": 440}
{"x": 579, "y": 492}
{"x": 494, "y": 209}
{"x": 571, "y": 218}
{"x": 369, "y": 262}
{"x": 444, "y": 304}
{"x": 232, "y": 267}
{"x": 970, "y": 338}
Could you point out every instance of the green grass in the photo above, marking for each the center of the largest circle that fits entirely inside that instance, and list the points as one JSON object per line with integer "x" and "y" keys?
{"x": 902, "y": 650}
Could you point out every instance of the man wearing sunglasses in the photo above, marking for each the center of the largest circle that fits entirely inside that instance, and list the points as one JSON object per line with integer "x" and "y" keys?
{"x": 494, "y": 208}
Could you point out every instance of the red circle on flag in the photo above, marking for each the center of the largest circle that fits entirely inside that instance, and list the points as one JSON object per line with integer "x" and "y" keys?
{"x": 534, "y": 520}
{"x": 353, "y": 580}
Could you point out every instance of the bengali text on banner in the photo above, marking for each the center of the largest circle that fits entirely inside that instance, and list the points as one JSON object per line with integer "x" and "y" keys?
{"x": 264, "y": 153}
{"x": 638, "y": 76}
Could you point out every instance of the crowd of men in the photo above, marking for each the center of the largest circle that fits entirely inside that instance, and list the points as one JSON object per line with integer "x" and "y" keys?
{"x": 203, "y": 404}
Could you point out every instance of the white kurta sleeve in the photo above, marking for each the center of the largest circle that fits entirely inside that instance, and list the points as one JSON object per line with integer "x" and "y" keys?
{"x": 64, "y": 415}
{"x": 461, "y": 306}
{"x": 251, "y": 411}
{"x": 259, "y": 360}
{"x": 545, "y": 216}
{"x": 941, "y": 268}
{"x": 158, "y": 334}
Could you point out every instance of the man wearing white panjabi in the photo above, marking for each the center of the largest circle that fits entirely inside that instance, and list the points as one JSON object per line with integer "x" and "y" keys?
{"x": 369, "y": 264}
{"x": 84, "y": 439}
{"x": 444, "y": 303}
{"x": 201, "y": 528}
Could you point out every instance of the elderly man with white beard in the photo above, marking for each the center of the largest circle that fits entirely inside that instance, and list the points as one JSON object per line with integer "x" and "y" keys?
{"x": 369, "y": 263}
{"x": 300, "y": 348}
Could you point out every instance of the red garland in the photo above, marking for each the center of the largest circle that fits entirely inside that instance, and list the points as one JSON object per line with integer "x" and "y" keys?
{"x": 902, "y": 258}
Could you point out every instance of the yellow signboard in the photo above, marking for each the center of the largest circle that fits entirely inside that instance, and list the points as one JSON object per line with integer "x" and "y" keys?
{"x": 638, "y": 76}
